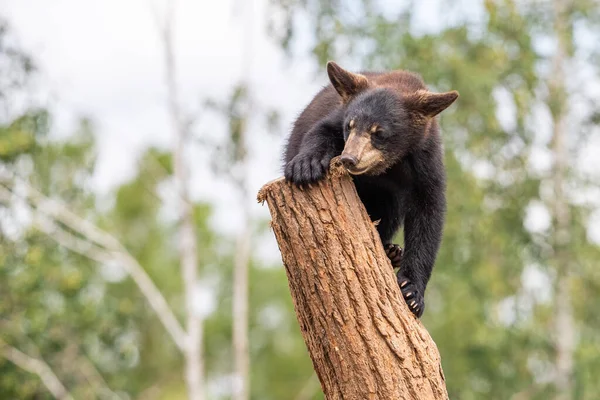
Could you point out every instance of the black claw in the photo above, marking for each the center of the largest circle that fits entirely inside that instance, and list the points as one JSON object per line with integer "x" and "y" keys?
{"x": 412, "y": 295}
{"x": 305, "y": 168}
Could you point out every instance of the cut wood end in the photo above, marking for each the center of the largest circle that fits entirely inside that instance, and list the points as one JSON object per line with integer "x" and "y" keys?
{"x": 261, "y": 196}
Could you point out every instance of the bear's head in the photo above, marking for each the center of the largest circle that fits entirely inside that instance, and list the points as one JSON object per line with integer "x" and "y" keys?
{"x": 386, "y": 117}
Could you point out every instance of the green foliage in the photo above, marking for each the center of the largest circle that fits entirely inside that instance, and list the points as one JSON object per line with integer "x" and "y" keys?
{"x": 54, "y": 302}
{"x": 21, "y": 134}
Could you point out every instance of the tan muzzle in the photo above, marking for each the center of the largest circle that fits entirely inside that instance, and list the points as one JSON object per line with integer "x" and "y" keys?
{"x": 359, "y": 155}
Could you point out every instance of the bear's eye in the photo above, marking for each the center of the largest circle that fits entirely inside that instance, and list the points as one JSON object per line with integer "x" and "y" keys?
{"x": 375, "y": 130}
{"x": 350, "y": 124}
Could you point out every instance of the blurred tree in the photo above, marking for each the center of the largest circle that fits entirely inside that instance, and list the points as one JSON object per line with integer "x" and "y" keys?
{"x": 187, "y": 242}
{"x": 498, "y": 287}
{"x": 231, "y": 161}
{"x": 47, "y": 294}
{"x": 69, "y": 308}
{"x": 53, "y": 309}
{"x": 58, "y": 319}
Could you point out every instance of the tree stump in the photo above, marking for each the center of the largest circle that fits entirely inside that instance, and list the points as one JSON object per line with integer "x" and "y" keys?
{"x": 363, "y": 340}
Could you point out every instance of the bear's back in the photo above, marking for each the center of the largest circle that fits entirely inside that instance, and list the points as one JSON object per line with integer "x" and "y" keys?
{"x": 404, "y": 82}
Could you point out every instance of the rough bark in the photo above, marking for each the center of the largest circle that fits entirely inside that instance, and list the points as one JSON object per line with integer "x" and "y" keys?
{"x": 363, "y": 340}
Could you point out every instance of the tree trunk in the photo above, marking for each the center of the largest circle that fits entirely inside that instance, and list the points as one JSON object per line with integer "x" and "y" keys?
{"x": 241, "y": 384}
{"x": 564, "y": 334}
{"x": 363, "y": 340}
{"x": 188, "y": 238}
{"x": 241, "y": 348}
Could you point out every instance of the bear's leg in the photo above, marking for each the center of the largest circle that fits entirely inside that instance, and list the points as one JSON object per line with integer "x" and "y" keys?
{"x": 412, "y": 296}
{"x": 319, "y": 145}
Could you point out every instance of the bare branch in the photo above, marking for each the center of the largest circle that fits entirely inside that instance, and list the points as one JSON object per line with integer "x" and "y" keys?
{"x": 103, "y": 248}
{"x": 38, "y": 367}
{"x": 71, "y": 242}
{"x": 60, "y": 212}
{"x": 5, "y": 195}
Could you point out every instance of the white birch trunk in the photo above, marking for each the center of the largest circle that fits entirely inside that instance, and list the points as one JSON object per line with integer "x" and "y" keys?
{"x": 241, "y": 350}
{"x": 563, "y": 323}
{"x": 240, "y": 313}
{"x": 194, "y": 366}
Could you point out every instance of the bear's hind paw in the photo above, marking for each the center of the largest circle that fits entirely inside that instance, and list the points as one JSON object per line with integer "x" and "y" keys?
{"x": 394, "y": 253}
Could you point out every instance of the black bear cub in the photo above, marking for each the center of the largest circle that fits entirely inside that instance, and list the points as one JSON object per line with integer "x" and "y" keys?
{"x": 384, "y": 127}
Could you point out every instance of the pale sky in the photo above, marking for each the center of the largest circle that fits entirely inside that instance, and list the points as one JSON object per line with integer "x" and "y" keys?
{"x": 103, "y": 59}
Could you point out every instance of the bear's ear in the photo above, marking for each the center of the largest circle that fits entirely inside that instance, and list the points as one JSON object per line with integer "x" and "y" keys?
{"x": 431, "y": 104}
{"x": 346, "y": 83}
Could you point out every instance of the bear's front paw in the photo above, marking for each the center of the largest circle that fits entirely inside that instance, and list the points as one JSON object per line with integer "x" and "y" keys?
{"x": 394, "y": 253}
{"x": 412, "y": 295}
{"x": 306, "y": 168}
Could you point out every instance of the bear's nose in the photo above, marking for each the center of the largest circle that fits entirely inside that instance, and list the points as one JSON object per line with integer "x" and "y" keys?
{"x": 348, "y": 160}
